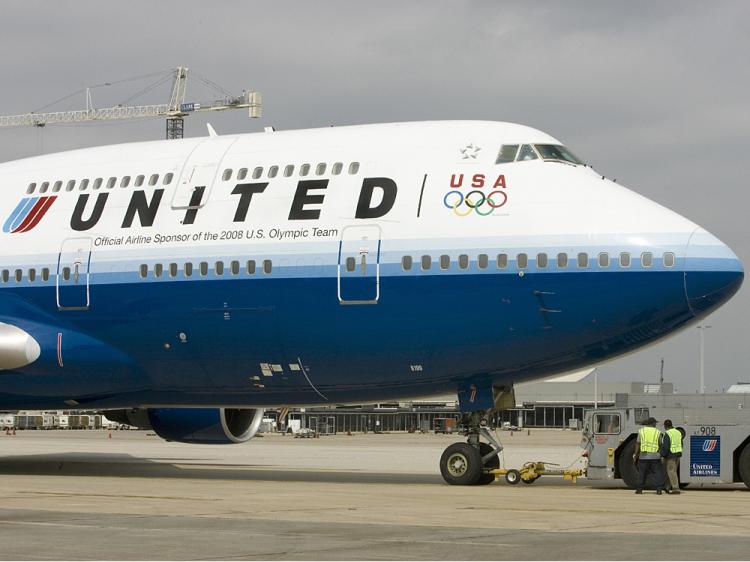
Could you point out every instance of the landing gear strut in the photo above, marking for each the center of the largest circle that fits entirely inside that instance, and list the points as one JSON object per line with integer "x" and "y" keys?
{"x": 470, "y": 463}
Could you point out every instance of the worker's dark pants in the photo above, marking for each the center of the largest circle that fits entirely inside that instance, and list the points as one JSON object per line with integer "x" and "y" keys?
{"x": 647, "y": 466}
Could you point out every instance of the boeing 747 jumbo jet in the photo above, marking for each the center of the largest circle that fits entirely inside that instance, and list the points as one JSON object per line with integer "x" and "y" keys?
{"x": 191, "y": 284}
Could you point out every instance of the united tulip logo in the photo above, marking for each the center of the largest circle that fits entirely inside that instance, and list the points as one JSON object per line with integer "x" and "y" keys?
{"x": 27, "y": 214}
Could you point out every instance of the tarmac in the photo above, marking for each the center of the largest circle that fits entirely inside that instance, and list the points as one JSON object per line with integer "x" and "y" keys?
{"x": 82, "y": 495}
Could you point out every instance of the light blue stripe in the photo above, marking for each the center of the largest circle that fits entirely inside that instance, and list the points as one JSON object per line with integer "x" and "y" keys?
{"x": 21, "y": 210}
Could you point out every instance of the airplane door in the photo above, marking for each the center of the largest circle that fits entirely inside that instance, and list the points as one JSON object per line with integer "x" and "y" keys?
{"x": 359, "y": 265}
{"x": 73, "y": 274}
{"x": 199, "y": 173}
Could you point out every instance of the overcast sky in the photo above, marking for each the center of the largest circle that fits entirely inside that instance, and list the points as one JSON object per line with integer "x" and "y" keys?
{"x": 654, "y": 94}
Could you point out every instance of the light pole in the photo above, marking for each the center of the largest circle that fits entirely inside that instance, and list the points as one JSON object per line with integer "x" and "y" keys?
{"x": 703, "y": 327}
{"x": 596, "y": 389}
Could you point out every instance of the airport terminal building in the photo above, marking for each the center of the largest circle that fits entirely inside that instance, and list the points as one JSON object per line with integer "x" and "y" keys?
{"x": 538, "y": 404}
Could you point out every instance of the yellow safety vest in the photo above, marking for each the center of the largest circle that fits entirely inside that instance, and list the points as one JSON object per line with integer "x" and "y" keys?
{"x": 675, "y": 440}
{"x": 649, "y": 439}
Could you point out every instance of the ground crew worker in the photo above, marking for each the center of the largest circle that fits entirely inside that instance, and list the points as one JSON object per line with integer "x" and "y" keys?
{"x": 672, "y": 459}
{"x": 648, "y": 457}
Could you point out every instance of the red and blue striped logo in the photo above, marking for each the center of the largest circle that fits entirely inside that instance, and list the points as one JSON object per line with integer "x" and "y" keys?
{"x": 709, "y": 445}
{"x": 28, "y": 213}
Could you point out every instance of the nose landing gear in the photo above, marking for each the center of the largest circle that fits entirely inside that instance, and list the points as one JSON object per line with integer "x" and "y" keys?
{"x": 470, "y": 463}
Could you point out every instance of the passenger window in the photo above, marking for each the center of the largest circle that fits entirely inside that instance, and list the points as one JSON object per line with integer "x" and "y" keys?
{"x": 31, "y": 188}
{"x": 98, "y": 183}
{"x": 71, "y": 185}
{"x": 203, "y": 268}
{"x": 426, "y": 262}
{"x": 173, "y": 270}
{"x": 143, "y": 271}
{"x": 647, "y": 259}
{"x": 304, "y": 169}
{"x": 526, "y": 153}
{"x": 562, "y": 260}
{"x": 44, "y": 187}
{"x": 541, "y": 261}
{"x": 168, "y": 178}
{"x": 624, "y": 259}
{"x": 607, "y": 424}
{"x": 507, "y": 153}
{"x": 522, "y": 261}
{"x": 336, "y": 169}
{"x": 125, "y": 182}
{"x": 235, "y": 268}
{"x": 353, "y": 168}
{"x": 669, "y": 259}
{"x": 153, "y": 180}
{"x": 188, "y": 269}
{"x": 227, "y": 175}
{"x": 111, "y": 182}
{"x": 219, "y": 268}
{"x": 66, "y": 274}
{"x": 273, "y": 171}
{"x": 139, "y": 181}
{"x": 267, "y": 266}
{"x": 57, "y": 187}
{"x": 320, "y": 169}
{"x": 83, "y": 185}
{"x": 351, "y": 264}
{"x": 583, "y": 260}
{"x": 250, "y": 266}
{"x": 445, "y": 261}
{"x": 242, "y": 174}
{"x": 406, "y": 263}
{"x": 463, "y": 261}
{"x": 45, "y": 274}
{"x": 6, "y": 275}
{"x": 32, "y": 275}
{"x": 257, "y": 172}
{"x": 158, "y": 270}
{"x": 604, "y": 259}
{"x": 482, "y": 261}
{"x": 502, "y": 261}
{"x": 19, "y": 274}
{"x": 289, "y": 170}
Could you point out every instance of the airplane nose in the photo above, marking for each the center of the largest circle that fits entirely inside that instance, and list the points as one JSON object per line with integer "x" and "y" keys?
{"x": 713, "y": 273}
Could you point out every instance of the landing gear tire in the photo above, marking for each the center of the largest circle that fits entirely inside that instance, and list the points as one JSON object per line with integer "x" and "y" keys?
{"x": 744, "y": 465}
{"x": 491, "y": 464}
{"x": 512, "y": 477}
{"x": 461, "y": 465}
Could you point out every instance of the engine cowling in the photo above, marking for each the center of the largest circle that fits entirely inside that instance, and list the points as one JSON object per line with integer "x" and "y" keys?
{"x": 207, "y": 426}
{"x": 17, "y": 348}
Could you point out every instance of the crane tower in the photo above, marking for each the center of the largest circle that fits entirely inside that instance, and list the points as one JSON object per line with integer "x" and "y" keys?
{"x": 175, "y": 110}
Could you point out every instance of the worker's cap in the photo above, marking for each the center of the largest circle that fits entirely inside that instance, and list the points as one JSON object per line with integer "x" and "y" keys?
{"x": 650, "y": 421}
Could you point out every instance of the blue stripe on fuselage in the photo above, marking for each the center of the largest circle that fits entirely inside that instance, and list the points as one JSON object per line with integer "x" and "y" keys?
{"x": 204, "y": 341}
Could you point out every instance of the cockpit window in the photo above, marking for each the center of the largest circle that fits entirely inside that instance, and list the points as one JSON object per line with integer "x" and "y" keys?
{"x": 526, "y": 153}
{"x": 557, "y": 152}
{"x": 507, "y": 153}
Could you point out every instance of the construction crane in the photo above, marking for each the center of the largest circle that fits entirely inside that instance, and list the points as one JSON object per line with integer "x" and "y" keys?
{"x": 175, "y": 111}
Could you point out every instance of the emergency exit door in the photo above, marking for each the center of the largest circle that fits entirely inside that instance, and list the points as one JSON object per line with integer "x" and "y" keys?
{"x": 199, "y": 173}
{"x": 73, "y": 274}
{"x": 359, "y": 265}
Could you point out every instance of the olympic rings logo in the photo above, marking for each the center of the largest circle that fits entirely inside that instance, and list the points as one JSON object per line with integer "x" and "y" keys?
{"x": 474, "y": 201}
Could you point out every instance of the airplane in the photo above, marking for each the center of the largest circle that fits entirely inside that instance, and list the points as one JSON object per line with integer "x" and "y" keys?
{"x": 188, "y": 285}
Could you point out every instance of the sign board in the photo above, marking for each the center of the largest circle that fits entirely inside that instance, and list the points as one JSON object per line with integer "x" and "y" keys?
{"x": 705, "y": 453}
